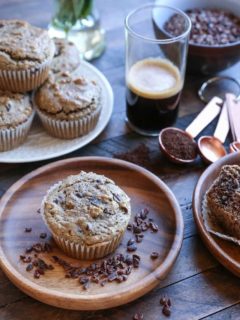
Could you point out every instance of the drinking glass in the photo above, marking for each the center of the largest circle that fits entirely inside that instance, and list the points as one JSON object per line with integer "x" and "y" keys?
{"x": 156, "y": 51}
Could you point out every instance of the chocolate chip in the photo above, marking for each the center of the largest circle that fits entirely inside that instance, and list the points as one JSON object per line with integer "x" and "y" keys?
{"x": 43, "y": 235}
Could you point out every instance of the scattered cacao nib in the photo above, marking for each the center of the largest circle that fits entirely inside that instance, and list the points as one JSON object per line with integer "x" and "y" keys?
{"x": 163, "y": 300}
{"x": 138, "y": 316}
{"x": 154, "y": 255}
{"x": 132, "y": 247}
{"x": 113, "y": 269}
{"x": 140, "y": 155}
{"x": 43, "y": 235}
{"x": 130, "y": 242}
{"x": 144, "y": 213}
{"x": 153, "y": 226}
{"x": 166, "y": 311}
{"x": 29, "y": 267}
{"x": 36, "y": 274}
{"x": 166, "y": 303}
{"x": 38, "y": 210}
{"x": 27, "y": 230}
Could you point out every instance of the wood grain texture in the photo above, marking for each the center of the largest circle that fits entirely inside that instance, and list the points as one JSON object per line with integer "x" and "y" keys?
{"x": 18, "y": 210}
{"x": 226, "y": 252}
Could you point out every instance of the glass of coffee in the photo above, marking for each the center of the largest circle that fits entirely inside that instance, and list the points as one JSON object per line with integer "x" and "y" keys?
{"x": 156, "y": 50}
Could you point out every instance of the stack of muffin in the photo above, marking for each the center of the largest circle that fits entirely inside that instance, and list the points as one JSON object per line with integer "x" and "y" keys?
{"x": 38, "y": 73}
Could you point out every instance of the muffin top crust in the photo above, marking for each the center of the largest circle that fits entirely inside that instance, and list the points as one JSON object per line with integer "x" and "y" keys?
{"x": 88, "y": 208}
{"x": 225, "y": 191}
{"x": 15, "y": 109}
{"x": 66, "y": 56}
{"x": 65, "y": 96}
{"x": 23, "y": 46}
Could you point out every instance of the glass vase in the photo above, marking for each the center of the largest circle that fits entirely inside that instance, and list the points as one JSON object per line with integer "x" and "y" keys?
{"x": 78, "y": 21}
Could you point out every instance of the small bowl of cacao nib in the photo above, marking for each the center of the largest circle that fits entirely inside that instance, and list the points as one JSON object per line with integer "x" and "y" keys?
{"x": 214, "y": 42}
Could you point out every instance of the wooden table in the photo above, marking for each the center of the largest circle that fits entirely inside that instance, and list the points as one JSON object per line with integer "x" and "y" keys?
{"x": 199, "y": 287}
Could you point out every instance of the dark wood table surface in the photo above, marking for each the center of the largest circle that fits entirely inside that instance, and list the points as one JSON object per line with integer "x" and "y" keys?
{"x": 200, "y": 288}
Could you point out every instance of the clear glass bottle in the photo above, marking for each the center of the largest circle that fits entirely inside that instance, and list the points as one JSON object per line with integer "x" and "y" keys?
{"x": 78, "y": 21}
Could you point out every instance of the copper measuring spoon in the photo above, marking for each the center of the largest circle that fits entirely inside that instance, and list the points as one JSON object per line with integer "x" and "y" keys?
{"x": 211, "y": 147}
{"x": 233, "y": 107}
{"x": 210, "y": 112}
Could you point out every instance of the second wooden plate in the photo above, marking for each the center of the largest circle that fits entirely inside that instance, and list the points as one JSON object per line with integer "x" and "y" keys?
{"x": 18, "y": 210}
{"x": 226, "y": 252}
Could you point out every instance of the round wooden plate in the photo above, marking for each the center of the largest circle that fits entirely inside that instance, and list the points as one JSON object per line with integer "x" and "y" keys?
{"x": 227, "y": 253}
{"x": 18, "y": 210}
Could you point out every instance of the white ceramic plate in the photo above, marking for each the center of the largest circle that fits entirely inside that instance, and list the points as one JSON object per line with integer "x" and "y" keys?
{"x": 41, "y": 146}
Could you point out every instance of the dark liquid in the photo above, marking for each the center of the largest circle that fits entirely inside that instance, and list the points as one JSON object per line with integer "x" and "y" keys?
{"x": 151, "y": 115}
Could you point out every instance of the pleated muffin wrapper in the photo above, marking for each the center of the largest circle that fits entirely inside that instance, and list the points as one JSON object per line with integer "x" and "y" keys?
{"x": 212, "y": 225}
{"x": 22, "y": 81}
{"x": 79, "y": 250}
{"x": 69, "y": 129}
{"x": 13, "y": 137}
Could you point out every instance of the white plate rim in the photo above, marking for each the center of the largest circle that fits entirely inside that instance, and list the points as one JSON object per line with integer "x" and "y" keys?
{"x": 88, "y": 138}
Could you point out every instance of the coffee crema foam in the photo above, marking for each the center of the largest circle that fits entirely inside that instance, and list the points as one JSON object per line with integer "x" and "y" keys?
{"x": 154, "y": 78}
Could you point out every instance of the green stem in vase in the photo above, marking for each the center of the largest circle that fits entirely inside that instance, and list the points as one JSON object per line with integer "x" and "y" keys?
{"x": 69, "y": 12}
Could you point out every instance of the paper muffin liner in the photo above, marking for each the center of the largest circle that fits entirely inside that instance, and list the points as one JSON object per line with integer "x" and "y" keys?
{"x": 69, "y": 129}
{"x": 24, "y": 80}
{"x": 78, "y": 250}
{"x": 13, "y": 137}
{"x": 85, "y": 252}
{"x": 213, "y": 227}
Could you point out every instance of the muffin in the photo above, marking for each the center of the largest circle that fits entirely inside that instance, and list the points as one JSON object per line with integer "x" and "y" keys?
{"x": 66, "y": 56}
{"x": 16, "y": 115}
{"x": 223, "y": 200}
{"x": 26, "y": 53}
{"x": 87, "y": 215}
{"x": 68, "y": 106}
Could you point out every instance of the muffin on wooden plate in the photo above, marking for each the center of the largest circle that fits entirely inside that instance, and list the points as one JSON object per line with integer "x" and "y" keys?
{"x": 223, "y": 200}
{"x": 26, "y": 53}
{"x": 16, "y": 115}
{"x": 87, "y": 215}
{"x": 66, "y": 56}
{"x": 68, "y": 105}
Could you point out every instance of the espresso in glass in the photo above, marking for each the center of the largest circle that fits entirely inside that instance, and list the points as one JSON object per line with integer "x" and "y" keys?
{"x": 153, "y": 92}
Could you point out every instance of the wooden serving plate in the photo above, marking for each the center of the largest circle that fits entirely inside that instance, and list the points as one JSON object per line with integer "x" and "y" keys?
{"x": 227, "y": 253}
{"x": 18, "y": 210}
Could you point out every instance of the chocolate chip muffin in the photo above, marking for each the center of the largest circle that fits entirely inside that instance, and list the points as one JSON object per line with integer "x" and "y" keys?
{"x": 16, "y": 115}
{"x": 223, "y": 200}
{"x": 87, "y": 215}
{"x": 26, "y": 53}
{"x": 66, "y": 56}
{"x": 68, "y": 105}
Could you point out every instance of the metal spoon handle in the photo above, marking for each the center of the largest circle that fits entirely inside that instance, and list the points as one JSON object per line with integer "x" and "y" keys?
{"x": 206, "y": 116}
{"x": 222, "y": 127}
{"x": 233, "y": 107}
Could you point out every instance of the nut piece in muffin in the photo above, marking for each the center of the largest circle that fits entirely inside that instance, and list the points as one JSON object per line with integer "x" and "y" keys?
{"x": 66, "y": 56}
{"x": 16, "y": 115}
{"x": 223, "y": 199}
{"x": 68, "y": 105}
{"x": 87, "y": 214}
{"x": 25, "y": 55}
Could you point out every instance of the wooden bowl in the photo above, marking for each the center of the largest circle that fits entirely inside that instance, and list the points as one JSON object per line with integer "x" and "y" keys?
{"x": 227, "y": 253}
{"x": 18, "y": 210}
{"x": 207, "y": 59}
